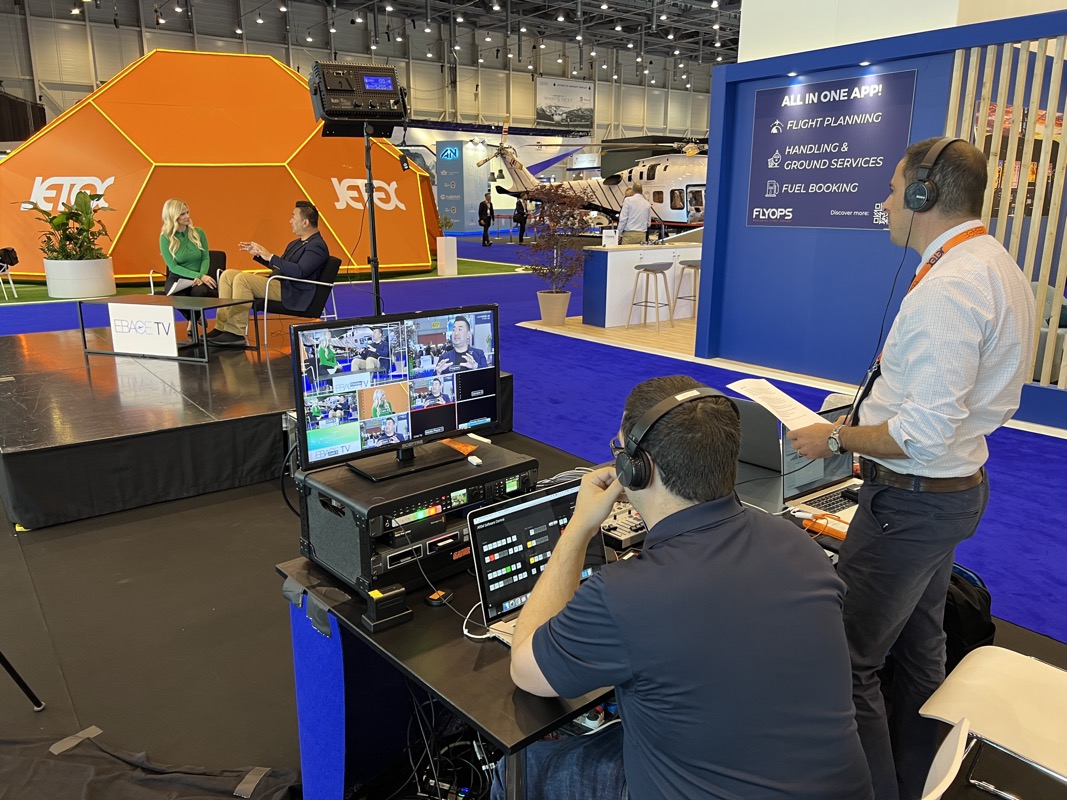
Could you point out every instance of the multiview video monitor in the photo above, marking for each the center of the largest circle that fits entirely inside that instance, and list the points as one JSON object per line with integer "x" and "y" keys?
{"x": 375, "y": 392}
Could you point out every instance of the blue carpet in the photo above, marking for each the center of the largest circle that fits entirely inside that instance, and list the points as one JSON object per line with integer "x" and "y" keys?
{"x": 569, "y": 394}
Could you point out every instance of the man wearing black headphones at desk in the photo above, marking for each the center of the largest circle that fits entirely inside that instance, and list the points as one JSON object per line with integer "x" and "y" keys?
{"x": 722, "y": 638}
{"x": 951, "y": 373}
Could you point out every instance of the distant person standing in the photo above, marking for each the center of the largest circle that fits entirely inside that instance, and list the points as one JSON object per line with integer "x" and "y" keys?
{"x": 485, "y": 218}
{"x": 519, "y": 216}
{"x": 635, "y": 217}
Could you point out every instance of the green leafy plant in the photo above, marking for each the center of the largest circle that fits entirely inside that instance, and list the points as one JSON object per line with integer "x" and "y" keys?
{"x": 445, "y": 222}
{"x": 72, "y": 233}
{"x": 556, "y": 255}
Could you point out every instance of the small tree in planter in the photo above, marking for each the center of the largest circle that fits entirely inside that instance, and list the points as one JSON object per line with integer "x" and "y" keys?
{"x": 74, "y": 263}
{"x": 556, "y": 254}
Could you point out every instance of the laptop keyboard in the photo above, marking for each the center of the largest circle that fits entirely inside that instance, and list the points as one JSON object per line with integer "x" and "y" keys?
{"x": 831, "y": 503}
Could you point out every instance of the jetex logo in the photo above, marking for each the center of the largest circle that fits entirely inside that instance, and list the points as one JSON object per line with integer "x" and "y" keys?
{"x": 51, "y": 193}
{"x": 352, "y": 192}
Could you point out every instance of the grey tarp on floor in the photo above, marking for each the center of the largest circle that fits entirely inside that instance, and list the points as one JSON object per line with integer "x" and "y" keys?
{"x": 93, "y": 771}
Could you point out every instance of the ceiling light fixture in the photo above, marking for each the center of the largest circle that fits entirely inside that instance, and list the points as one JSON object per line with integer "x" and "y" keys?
{"x": 283, "y": 7}
{"x": 308, "y": 38}
{"x": 670, "y": 35}
{"x": 358, "y": 17}
{"x": 603, "y": 6}
{"x": 541, "y": 46}
{"x": 488, "y": 36}
{"x": 429, "y": 53}
{"x": 496, "y": 6}
{"x": 388, "y": 7}
{"x": 178, "y": 7}
{"x": 865, "y": 63}
{"x": 559, "y": 59}
{"x": 333, "y": 27}
{"x": 791, "y": 74}
{"x": 426, "y": 28}
{"x": 578, "y": 36}
{"x": 630, "y": 45}
{"x": 560, "y": 16}
{"x": 718, "y": 43}
{"x": 663, "y": 17}
{"x": 618, "y": 25}
{"x": 718, "y": 58}
{"x": 689, "y": 86}
{"x": 75, "y": 10}
{"x": 238, "y": 30}
{"x": 481, "y": 60}
{"x": 522, "y": 26}
{"x": 459, "y": 16}
{"x": 259, "y": 19}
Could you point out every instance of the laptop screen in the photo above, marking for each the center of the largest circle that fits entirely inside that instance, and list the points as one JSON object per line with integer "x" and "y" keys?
{"x": 811, "y": 476}
{"x": 513, "y": 540}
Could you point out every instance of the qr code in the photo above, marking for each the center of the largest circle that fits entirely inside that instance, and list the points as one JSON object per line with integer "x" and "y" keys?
{"x": 880, "y": 216}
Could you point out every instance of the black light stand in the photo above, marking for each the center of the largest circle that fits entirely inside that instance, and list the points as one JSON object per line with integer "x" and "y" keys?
{"x": 369, "y": 194}
{"x": 26, "y": 690}
{"x": 350, "y": 99}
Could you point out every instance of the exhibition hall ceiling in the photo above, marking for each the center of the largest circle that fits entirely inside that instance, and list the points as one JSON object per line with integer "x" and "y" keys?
{"x": 694, "y": 30}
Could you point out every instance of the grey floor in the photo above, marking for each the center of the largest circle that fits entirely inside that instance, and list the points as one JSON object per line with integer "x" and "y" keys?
{"x": 165, "y": 626}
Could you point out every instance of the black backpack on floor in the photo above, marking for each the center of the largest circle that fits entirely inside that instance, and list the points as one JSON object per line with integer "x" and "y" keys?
{"x": 968, "y": 616}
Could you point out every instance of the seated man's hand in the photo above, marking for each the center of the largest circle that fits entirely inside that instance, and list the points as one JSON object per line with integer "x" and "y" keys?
{"x": 256, "y": 249}
{"x": 596, "y": 497}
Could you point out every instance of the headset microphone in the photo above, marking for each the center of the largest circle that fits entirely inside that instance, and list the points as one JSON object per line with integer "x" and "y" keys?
{"x": 921, "y": 194}
{"x": 633, "y": 467}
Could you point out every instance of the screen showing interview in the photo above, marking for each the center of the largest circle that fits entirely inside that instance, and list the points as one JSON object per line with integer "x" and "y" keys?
{"x": 368, "y": 385}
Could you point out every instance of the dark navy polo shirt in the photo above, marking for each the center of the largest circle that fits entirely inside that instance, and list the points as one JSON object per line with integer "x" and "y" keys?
{"x": 725, "y": 644}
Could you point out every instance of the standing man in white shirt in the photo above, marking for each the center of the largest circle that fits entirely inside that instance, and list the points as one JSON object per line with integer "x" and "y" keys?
{"x": 635, "y": 217}
{"x": 951, "y": 373}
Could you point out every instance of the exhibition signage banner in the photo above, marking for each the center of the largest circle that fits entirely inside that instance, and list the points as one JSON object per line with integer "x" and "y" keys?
{"x": 823, "y": 154}
{"x": 143, "y": 330}
{"x": 564, "y": 103}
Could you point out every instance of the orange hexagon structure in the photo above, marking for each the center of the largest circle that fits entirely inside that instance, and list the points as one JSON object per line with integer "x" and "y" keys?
{"x": 234, "y": 136}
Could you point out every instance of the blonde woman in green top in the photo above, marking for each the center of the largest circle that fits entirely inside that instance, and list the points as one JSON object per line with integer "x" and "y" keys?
{"x": 185, "y": 251}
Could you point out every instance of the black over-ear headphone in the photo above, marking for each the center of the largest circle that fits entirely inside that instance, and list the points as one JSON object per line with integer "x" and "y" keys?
{"x": 633, "y": 467}
{"x": 921, "y": 193}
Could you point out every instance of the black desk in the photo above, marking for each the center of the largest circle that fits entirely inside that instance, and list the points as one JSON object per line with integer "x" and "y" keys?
{"x": 196, "y": 306}
{"x": 470, "y": 677}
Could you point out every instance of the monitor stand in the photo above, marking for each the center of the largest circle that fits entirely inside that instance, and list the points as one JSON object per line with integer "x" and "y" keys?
{"x": 383, "y": 466}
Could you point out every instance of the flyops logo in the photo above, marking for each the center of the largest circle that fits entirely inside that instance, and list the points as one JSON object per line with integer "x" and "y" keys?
{"x": 352, "y": 192}
{"x": 51, "y": 193}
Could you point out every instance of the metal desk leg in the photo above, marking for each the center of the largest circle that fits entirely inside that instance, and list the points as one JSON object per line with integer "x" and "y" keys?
{"x": 515, "y": 775}
{"x": 81, "y": 324}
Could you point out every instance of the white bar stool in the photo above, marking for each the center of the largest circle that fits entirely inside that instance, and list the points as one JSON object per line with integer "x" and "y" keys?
{"x": 656, "y": 272}
{"x": 692, "y": 267}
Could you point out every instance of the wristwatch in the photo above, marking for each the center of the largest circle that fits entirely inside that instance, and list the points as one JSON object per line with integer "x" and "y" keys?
{"x": 834, "y": 441}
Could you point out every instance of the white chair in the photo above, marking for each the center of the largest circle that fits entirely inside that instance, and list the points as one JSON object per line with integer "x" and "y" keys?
{"x": 947, "y": 762}
{"x": 1015, "y": 704}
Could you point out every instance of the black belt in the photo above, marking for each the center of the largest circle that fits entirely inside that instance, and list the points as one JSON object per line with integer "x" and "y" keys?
{"x": 872, "y": 472}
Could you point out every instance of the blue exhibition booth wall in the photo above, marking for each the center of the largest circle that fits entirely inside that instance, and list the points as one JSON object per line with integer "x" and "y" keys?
{"x": 811, "y": 300}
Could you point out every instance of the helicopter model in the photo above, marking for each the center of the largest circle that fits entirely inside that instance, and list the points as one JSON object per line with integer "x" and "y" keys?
{"x": 673, "y": 183}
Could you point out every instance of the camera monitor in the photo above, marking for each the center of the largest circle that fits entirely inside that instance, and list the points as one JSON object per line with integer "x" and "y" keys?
{"x": 375, "y": 392}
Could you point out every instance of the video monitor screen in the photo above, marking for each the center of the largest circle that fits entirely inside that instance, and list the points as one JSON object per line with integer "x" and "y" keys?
{"x": 377, "y": 383}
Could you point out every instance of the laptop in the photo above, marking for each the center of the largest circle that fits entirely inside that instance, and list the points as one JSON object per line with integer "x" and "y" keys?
{"x": 816, "y": 486}
{"x": 511, "y": 543}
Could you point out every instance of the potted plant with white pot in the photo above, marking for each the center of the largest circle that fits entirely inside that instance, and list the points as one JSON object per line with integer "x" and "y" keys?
{"x": 74, "y": 263}
{"x": 447, "y": 263}
{"x": 556, "y": 253}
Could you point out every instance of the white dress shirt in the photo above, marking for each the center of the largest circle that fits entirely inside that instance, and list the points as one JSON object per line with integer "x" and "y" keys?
{"x": 955, "y": 360}
{"x": 635, "y": 214}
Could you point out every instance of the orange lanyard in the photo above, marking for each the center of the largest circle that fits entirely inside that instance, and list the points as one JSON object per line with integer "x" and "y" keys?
{"x": 970, "y": 233}
{"x": 876, "y": 370}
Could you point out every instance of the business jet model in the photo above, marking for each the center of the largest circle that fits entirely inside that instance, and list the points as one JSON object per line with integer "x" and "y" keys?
{"x": 673, "y": 183}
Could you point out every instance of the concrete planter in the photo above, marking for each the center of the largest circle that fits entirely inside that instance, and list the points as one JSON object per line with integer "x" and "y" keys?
{"x": 553, "y": 307}
{"x": 67, "y": 279}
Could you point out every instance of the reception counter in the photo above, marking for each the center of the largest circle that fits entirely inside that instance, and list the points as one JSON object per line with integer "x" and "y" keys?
{"x": 608, "y": 281}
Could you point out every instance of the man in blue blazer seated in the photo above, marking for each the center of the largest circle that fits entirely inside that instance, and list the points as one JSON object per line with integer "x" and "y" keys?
{"x": 304, "y": 257}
